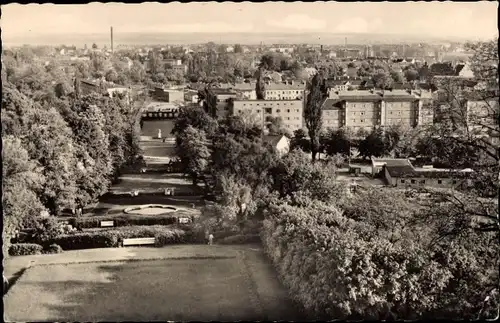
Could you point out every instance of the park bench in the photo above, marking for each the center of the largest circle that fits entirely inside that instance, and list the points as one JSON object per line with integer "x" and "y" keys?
{"x": 138, "y": 241}
{"x": 184, "y": 220}
{"x": 106, "y": 224}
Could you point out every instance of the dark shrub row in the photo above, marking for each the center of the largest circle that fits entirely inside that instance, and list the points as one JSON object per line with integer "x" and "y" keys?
{"x": 123, "y": 220}
{"x": 26, "y": 249}
{"x": 113, "y": 237}
{"x": 86, "y": 240}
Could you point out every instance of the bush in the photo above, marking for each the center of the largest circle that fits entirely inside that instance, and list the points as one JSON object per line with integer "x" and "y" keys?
{"x": 338, "y": 268}
{"x": 86, "y": 240}
{"x": 240, "y": 239}
{"x": 25, "y": 249}
{"x": 53, "y": 249}
{"x": 44, "y": 230}
{"x": 173, "y": 236}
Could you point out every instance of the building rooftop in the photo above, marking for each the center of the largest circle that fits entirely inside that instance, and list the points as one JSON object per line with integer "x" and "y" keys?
{"x": 402, "y": 168}
{"x": 272, "y": 139}
{"x": 161, "y": 106}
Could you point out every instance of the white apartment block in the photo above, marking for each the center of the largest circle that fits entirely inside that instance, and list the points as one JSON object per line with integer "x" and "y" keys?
{"x": 290, "y": 111}
{"x": 366, "y": 109}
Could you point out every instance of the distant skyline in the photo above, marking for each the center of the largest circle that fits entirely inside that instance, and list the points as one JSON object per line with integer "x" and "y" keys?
{"x": 475, "y": 20}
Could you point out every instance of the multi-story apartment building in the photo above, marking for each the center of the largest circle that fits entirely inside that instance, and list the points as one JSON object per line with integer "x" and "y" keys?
{"x": 290, "y": 111}
{"x": 290, "y": 91}
{"x": 274, "y": 91}
{"x": 223, "y": 97}
{"x": 366, "y": 109}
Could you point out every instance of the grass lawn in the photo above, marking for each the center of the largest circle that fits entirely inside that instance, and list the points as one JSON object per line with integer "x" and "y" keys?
{"x": 241, "y": 288}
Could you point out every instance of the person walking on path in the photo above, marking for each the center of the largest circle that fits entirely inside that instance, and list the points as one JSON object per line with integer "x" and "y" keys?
{"x": 210, "y": 239}
{"x": 5, "y": 284}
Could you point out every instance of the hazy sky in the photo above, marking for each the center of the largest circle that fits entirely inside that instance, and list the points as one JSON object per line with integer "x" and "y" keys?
{"x": 440, "y": 19}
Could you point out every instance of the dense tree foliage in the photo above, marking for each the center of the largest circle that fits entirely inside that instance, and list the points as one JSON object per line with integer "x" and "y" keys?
{"x": 375, "y": 260}
{"x": 78, "y": 143}
{"x": 193, "y": 152}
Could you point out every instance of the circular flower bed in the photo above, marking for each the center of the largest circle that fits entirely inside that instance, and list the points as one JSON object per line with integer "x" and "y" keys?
{"x": 150, "y": 209}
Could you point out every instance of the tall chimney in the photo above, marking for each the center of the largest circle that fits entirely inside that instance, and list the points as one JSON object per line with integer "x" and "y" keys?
{"x": 345, "y": 43}
{"x": 111, "y": 39}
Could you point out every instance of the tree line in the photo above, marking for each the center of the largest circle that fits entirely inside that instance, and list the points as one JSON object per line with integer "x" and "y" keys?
{"x": 61, "y": 153}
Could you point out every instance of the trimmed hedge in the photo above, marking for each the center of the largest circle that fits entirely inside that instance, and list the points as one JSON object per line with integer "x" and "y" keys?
{"x": 110, "y": 238}
{"x": 86, "y": 240}
{"x": 25, "y": 249}
{"x": 123, "y": 220}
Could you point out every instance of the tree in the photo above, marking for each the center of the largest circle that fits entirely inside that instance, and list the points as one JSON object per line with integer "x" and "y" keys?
{"x": 294, "y": 174}
{"x": 337, "y": 142}
{"x": 300, "y": 141}
{"x": 21, "y": 179}
{"x": 48, "y": 140}
{"x": 260, "y": 88}
{"x": 94, "y": 46}
{"x": 197, "y": 118}
{"x": 240, "y": 152}
{"x": 382, "y": 79}
{"x": 137, "y": 72}
{"x": 397, "y": 77}
{"x": 411, "y": 75}
{"x": 94, "y": 167}
{"x": 235, "y": 199}
{"x": 373, "y": 144}
{"x": 111, "y": 76}
{"x": 276, "y": 126}
{"x": 238, "y": 49}
{"x": 194, "y": 153}
{"x": 392, "y": 135}
{"x": 62, "y": 89}
{"x": 268, "y": 62}
{"x": 406, "y": 145}
{"x": 313, "y": 110}
{"x": 244, "y": 126}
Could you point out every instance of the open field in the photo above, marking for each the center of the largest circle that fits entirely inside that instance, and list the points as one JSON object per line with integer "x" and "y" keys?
{"x": 237, "y": 283}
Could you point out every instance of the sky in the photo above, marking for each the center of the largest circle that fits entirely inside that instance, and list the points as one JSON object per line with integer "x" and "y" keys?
{"x": 435, "y": 19}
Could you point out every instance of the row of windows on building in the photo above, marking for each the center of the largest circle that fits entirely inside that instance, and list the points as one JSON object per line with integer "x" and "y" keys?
{"x": 368, "y": 105}
{"x": 377, "y": 121}
{"x": 284, "y": 92}
{"x": 258, "y": 104}
{"x": 362, "y": 113}
{"x": 284, "y": 98}
{"x": 270, "y": 110}
{"x": 339, "y": 113}
{"x": 422, "y": 181}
